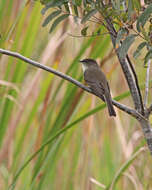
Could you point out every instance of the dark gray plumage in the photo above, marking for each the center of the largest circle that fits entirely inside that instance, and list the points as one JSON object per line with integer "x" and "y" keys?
{"x": 98, "y": 83}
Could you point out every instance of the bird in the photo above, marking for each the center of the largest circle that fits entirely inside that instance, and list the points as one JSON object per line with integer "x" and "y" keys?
{"x": 97, "y": 82}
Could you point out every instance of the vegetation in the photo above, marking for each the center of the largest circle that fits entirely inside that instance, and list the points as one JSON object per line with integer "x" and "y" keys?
{"x": 54, "y": 135}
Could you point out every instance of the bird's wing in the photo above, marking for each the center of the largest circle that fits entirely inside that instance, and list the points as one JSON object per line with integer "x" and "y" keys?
{"x": 96, "y": 88}
{"x": 100, "y": 87}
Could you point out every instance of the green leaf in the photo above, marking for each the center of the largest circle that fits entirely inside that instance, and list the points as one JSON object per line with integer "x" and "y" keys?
{"x": 57, "y": 21}
{"x": 77, "y": 2}
{"x": 138, "y": 50}
{"x": 88, "y": 15}
{"x": 53, "y": 3}
{"x": 67, "y": 7}
{"x": 50, "y": 17}
{"x": 99, "y": 31}
{"x": 120, "y": 35}
{"x": 76, "y": 10}
{"x": 123, "y": 49}
{"x": 116, "y": 5}
{"x": 86, "y": 2}
{"x": 144, "y": 17}
{"x": 147, "y": 57}
{"x": 130, "y": 8}
{"x": 84, "y": 31}
{"x": 124, "y": 167}
{"x": 61, "y": 131}
{"x": 137, "y": 5}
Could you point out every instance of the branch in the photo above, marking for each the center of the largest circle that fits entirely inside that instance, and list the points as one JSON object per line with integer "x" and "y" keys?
{"x": 122, "y": 107}
{"x": 46, "y": 68}
{"x": 125, "y": 65}
{"x": 131, "y": 83}
{"x": 137, "y": 84}
{"x": 144, "y": 122}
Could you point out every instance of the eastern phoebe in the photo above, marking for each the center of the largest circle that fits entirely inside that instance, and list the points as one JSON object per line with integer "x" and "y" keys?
{"x": 98, "y": 83}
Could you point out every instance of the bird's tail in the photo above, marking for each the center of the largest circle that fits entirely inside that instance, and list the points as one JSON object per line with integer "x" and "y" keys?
{"x": 110, "y": 105}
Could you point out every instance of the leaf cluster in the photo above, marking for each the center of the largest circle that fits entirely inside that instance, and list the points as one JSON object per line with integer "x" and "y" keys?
{"x": 142, "y": 30}
{"x": 130, "y": 19}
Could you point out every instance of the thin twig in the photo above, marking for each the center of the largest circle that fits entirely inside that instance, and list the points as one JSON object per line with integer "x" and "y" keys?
{"x": 100, "y": 21}
{"x": 147, "y": 84}
{"x": 124, "y": 108}
{"x": 94, "y": 35}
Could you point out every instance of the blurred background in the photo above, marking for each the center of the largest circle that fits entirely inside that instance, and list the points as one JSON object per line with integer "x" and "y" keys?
{"x": 96, "y": 152}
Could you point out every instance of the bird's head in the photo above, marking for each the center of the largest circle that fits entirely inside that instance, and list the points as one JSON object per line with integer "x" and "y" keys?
{"x": 86, "y": 63}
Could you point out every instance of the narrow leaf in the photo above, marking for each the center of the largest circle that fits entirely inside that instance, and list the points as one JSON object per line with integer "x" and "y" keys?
{"x": 57, "y": 21}
{"x": 88, "y": 15}
{"x": 130, "y": 8}
{"x": 123, "y": 49}
{"x": 137, "y": 5}
{"x": 53, "y": 3}
{"x": 147, "y": 57}
{"x": 138, "y": 50}
{"x": 125, "y": 166}
{"x": 144, "y": 17}
{"x": 50, "y": 17}
{"x": 67, "y": 7}
{"x": 99, "y": 31}
{"x": 76, "y": 10}
{"x": 78, "y": 2}
{"x": 114, "y": 4}
{"x": 84, "y": 31}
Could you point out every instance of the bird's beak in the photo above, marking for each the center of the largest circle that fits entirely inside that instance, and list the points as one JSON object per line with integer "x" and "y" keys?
{"x": 81, "y": 61}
